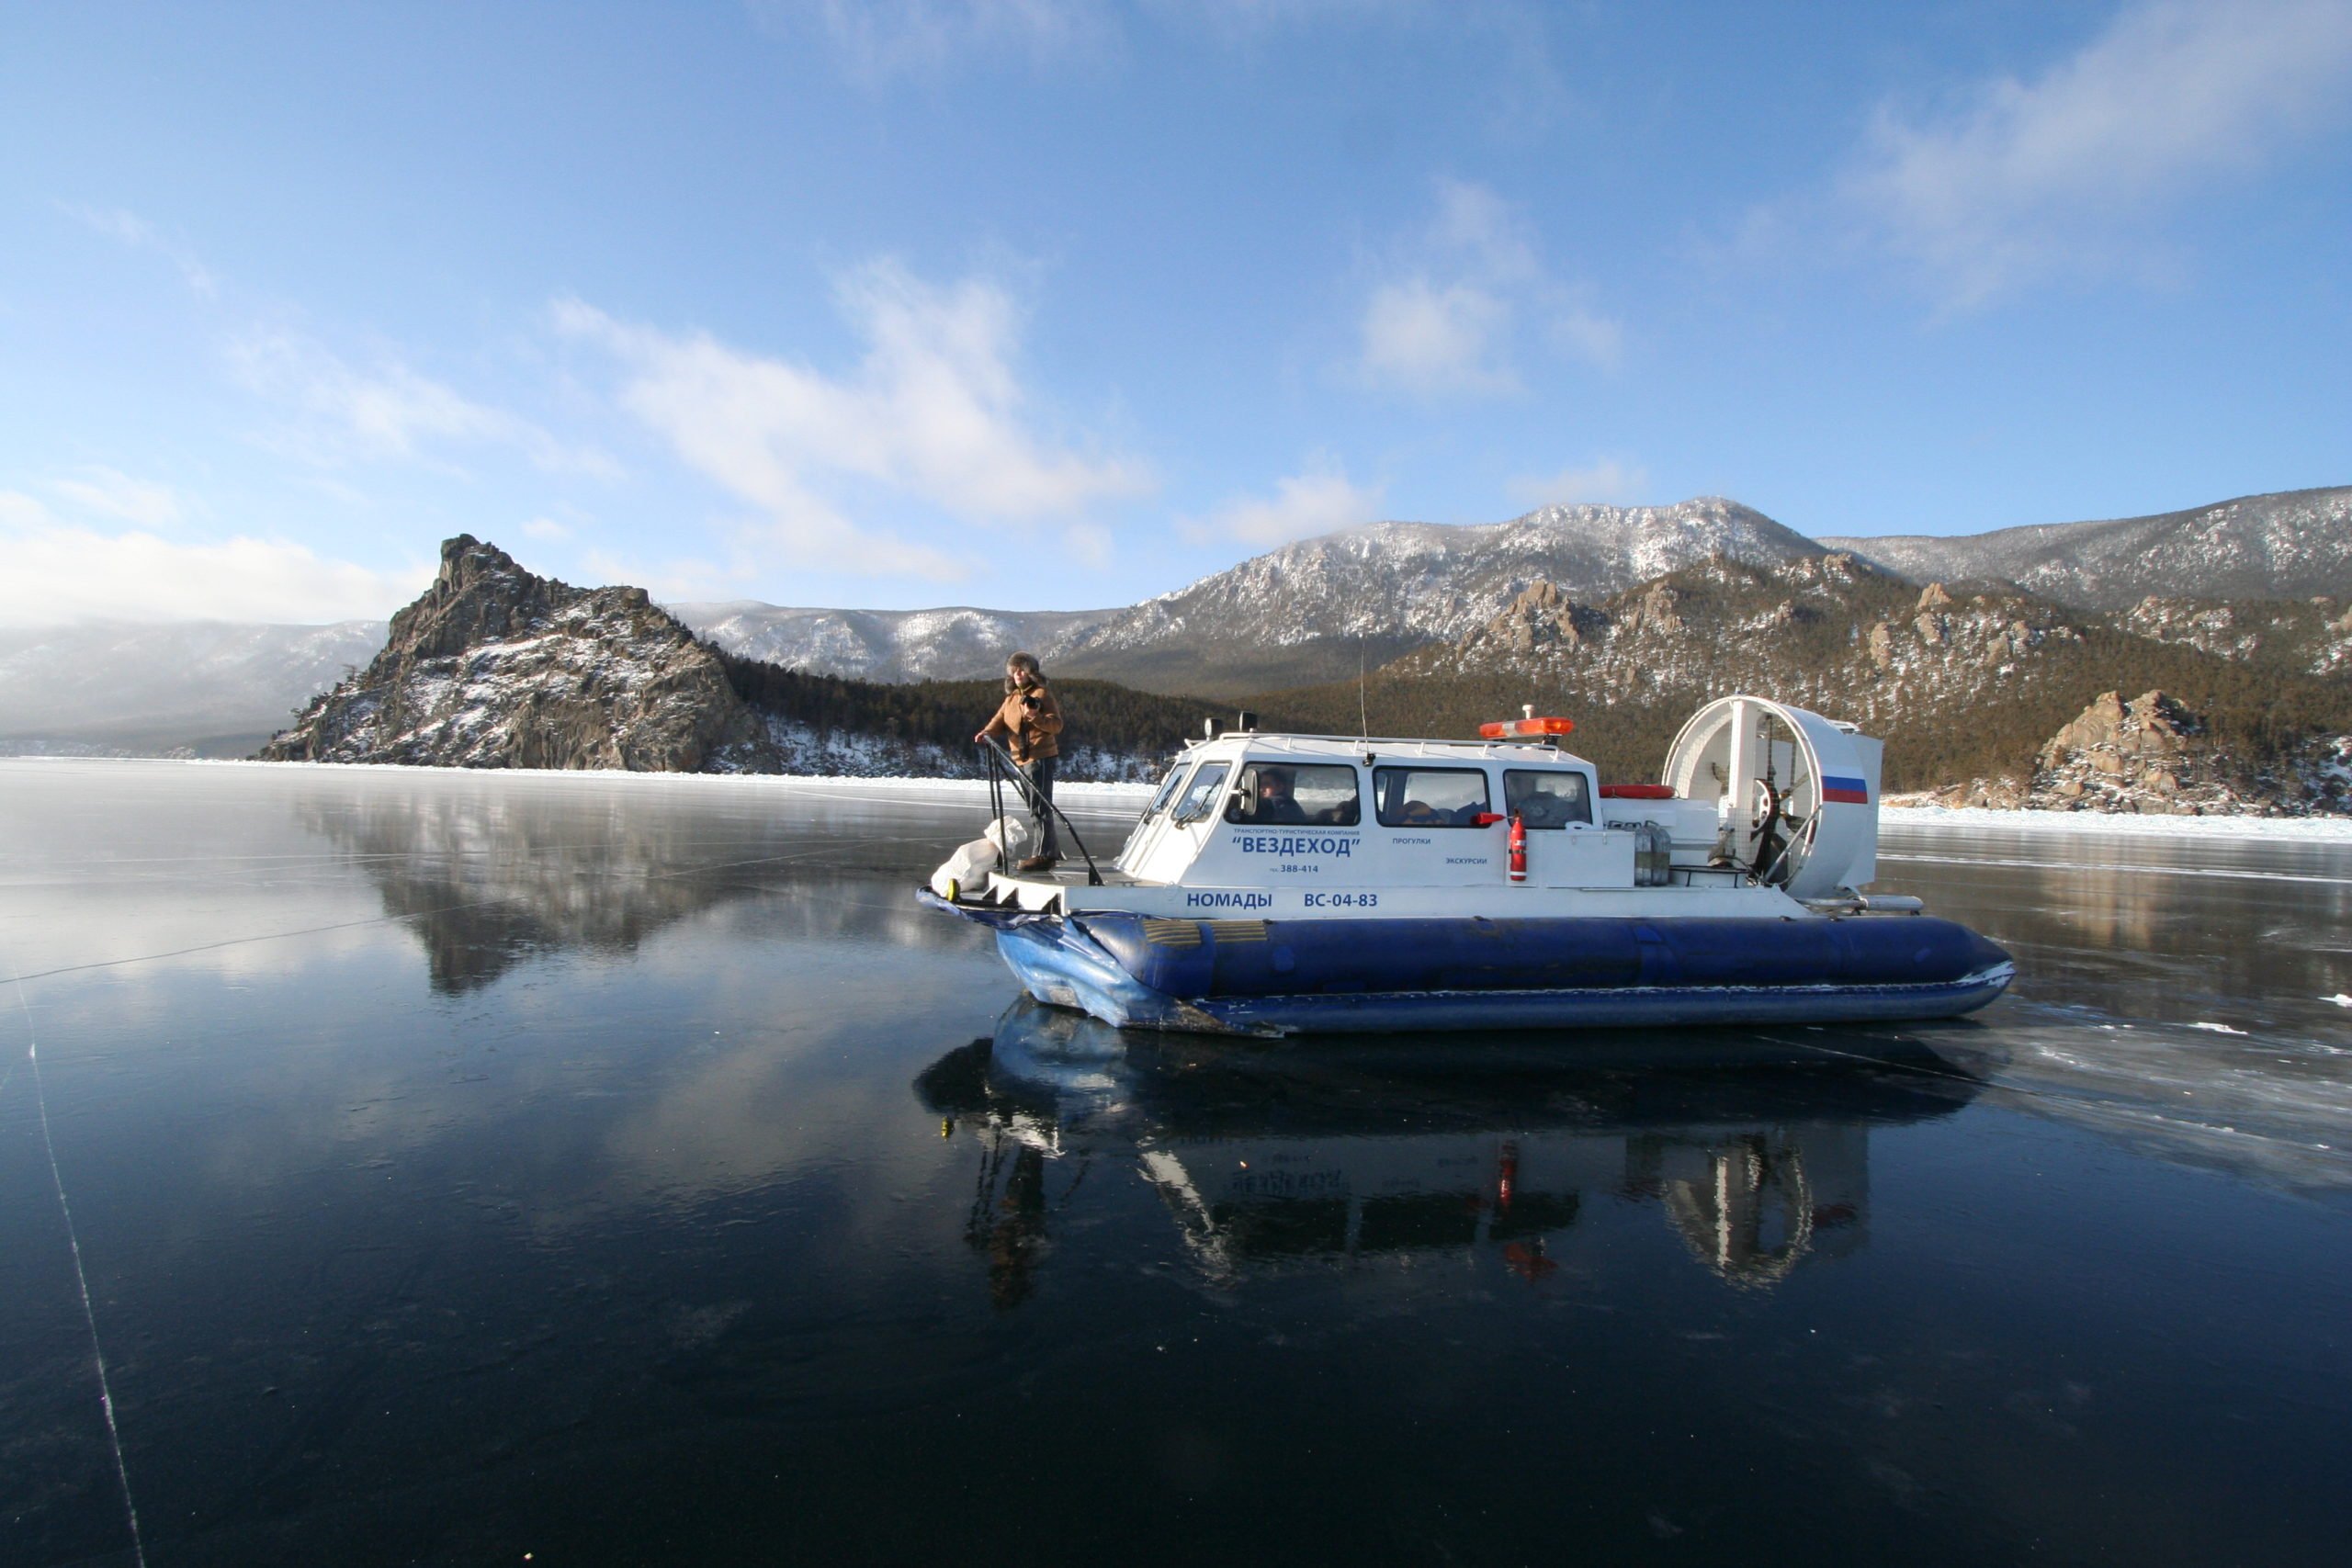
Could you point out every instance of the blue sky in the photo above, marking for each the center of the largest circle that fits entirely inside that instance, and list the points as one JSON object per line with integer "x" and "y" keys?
{"x": 1039, "y": 304}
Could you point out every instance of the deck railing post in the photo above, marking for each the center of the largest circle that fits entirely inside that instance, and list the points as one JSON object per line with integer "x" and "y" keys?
{"x": 999, "y": 758}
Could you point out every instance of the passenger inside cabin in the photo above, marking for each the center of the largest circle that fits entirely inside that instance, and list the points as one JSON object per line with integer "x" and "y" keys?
{"x": 1276, "y": 802}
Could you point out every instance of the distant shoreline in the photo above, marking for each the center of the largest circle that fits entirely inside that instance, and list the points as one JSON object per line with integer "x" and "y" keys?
{"x": 2322, "y": 829}
{"x": 1062, "y": 787}
{"x": 2319, "y": 830}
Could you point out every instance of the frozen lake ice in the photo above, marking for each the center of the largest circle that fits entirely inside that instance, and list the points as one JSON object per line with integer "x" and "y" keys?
{"x": 422, "y": 1167}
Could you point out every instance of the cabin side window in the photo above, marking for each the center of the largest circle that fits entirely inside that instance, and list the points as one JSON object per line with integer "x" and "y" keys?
{"x": 1429, "y": 797}
{"x": 1287, "y": 793}
{"x": 1166, "y": 793}
{"x": 1201, "y": 798}
{"x": 1546, "y": 799}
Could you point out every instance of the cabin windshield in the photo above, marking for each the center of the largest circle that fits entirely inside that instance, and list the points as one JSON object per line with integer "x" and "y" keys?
{"x": 1201, "y": 797}
{"x": 1167, "y": 792}
{"x": 1546, "y": 799}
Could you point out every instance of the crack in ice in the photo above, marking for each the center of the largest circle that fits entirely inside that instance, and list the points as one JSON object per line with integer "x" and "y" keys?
{"x": 82, "y": 1279}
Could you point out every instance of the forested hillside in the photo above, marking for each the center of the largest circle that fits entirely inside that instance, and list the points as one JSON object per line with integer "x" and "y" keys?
{"x": 1114, "y": 731}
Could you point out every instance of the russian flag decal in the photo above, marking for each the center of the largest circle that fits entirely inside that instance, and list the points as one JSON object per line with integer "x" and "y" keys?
{"x": 1843, "y": 791}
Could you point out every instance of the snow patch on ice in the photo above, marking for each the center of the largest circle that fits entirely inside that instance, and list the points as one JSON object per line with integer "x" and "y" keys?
{"x": 1966, "y": 818}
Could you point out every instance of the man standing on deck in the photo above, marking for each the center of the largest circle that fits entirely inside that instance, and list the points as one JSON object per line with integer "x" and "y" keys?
{"x": 1029, "y": 723}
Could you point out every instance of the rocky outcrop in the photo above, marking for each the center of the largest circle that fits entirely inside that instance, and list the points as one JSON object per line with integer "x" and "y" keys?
{"x": 497, "y": 668}
{"x": 1540, "y": 616}
{"x": 2136, "y": 756}
{"x": 2151, "y": 754}
{"x": 2121, "y": 739}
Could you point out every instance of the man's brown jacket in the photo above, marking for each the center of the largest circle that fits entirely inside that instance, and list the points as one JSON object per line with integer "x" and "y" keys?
{"x": 1028, "y": 732}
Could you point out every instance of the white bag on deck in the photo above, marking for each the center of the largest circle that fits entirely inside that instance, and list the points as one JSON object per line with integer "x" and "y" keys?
{"x": 1011, "y": 835}
{"x": 1007, "y": 838}
{"x": 967, "y": 867}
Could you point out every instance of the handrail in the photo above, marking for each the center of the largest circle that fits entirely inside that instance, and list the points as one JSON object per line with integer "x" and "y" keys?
{"x": 996, "y": 805}
{"x": 1000, "y": 762}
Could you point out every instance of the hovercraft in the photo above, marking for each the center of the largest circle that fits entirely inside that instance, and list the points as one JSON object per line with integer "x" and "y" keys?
{"x": 1283, "y": 883}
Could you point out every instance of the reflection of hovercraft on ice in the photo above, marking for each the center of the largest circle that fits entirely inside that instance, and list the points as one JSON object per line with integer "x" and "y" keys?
{"x": 1299, "y": 884}
{"x": 1314, "y": 1158}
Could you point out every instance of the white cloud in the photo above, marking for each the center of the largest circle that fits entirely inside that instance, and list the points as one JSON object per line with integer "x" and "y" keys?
{"x": 128, "y": 229}
{"x": 19, "y": 511}
{"x": 1596, "y": 340}
{"x": 1088, "y": 544}
{"x": 1445, "y": 319}
{"x": 680, "y": 580}
{"x": 1429, "y": 339}
{"x": 934, "y": 410}
{"x": 1481, "y": 229}
{"x": 546, "y": 528}
{"x": 114, "y": 494}
{"x": 2030, "y": 179}
{"x": 59, "y": 572}
{"x": 390, "y": 411}
{"x": 1319, "y": 501}
{"x": 1607, "y": 479}
{"x": 876, "y": 40}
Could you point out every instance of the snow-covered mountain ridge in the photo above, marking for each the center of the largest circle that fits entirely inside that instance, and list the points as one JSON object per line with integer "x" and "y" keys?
{"x": 2286, "y": 545}
{"x": 1310, "y": 611}
{"x": 1389, "y": 586}
{"x": 1304, "y": 613}
{"x": 953, "y": 643}
{"x": 1438, "y": 581}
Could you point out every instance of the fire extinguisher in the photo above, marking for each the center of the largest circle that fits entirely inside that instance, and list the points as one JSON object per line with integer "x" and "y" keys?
{"x": 1518, "y": 848}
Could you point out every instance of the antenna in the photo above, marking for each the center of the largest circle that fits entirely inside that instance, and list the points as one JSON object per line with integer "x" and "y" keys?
{"x": 1364, "y": 710}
